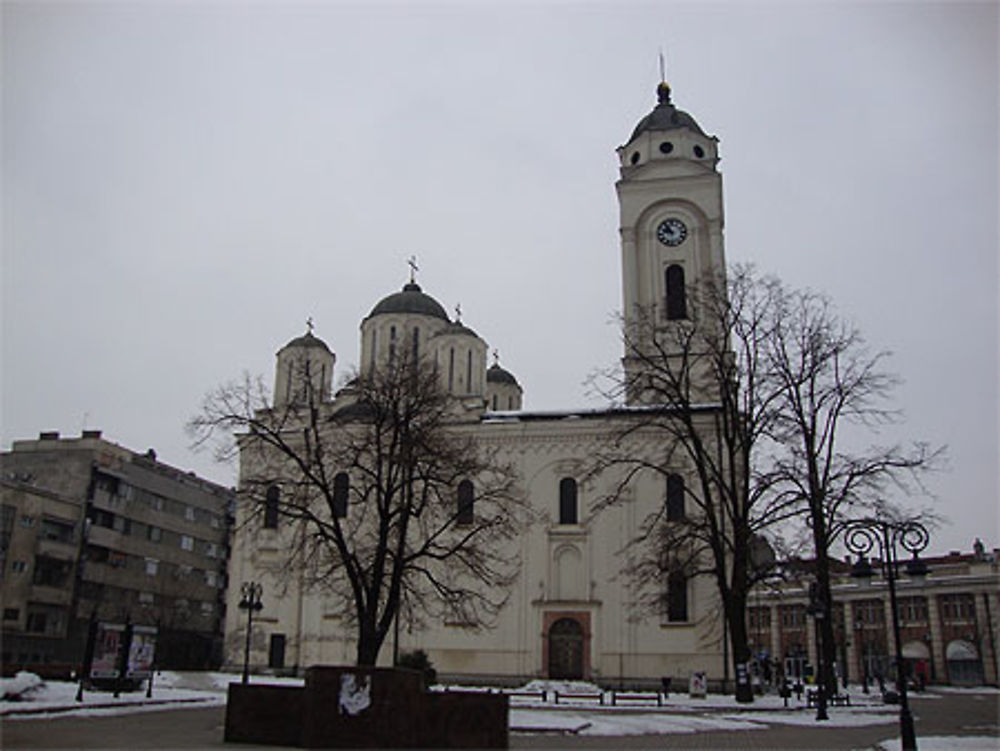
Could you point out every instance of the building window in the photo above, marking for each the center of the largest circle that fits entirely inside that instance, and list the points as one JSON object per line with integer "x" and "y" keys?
{"x": 869, "y": 612}
{"x": 494, "y": 402}
{"x": 792, "y": 616}
{"x": 181, "y": 605}
{"x": 468, "y": 372}
{"x": 51, "y": 572}
{"x": 567, "y": 501}
{"x": 416, "y": 343}
{"x": 466, "y": 512}
{"x": 152, "y": 566}
{"x": 341, "y": 491}
{"x": 271, "y": 499}
{"x": 958, "y": 607}
{"x": 146, "y": 599}
{"x": 207, "y": 608}
{"x": 276, "y": 651}
{"x": 154, "y": 534}
{"x": 676, "y": 296}
{"x": 27, "y": 521}
{"x": 45, "y": 620}
{"x": 913, "y": 609}
{"x": 18, "y": 567}
{"x": 57, "y": 531}
{"x": 677, "y": 600}
{"x": 117, "y": 559}
{"x": 184, "y": 572}
{"x": 189, "y": 513}
{"x": 759, "y": 619}
{"x": 675, "y": 498}
{"x": 187, "y": 542}
{"x": 121, "y": 524}
{"x": 211, "y": 550}
{"x": 11, "y": 614}
{"x": 211, "y": 578}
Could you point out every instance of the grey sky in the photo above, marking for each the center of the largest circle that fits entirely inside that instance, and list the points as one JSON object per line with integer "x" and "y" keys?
{"x": 185, "y": 183}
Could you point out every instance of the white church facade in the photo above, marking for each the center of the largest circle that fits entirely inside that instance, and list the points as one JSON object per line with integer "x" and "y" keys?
{"x": 571, "y": 613}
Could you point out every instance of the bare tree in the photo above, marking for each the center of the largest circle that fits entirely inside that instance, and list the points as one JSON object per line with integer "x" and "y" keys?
{"x": 702, "y": 401}
{"x": 389, "y": 503}
{"x": 831, "y": 384}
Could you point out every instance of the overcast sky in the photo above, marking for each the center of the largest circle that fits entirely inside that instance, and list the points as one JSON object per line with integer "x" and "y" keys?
{"x": 185, "y": 183}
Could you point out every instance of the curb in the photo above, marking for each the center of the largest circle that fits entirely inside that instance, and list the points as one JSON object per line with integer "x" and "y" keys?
{"x": 105, "y": 705}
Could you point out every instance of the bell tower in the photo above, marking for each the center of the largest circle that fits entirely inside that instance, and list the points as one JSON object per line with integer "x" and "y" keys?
{"x": 671, "y": 219}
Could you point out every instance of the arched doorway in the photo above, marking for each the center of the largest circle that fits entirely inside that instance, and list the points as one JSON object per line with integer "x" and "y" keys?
{"x": 917, "y": 658}
{"x": 964, "y": 666}
{"x": 566, "y": 649}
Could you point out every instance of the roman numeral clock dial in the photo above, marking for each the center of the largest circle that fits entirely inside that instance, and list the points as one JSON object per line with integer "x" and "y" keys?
{"x": 671, "y": 232}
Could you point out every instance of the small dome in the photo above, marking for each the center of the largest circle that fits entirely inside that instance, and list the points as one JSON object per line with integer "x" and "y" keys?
{"x": 308, "y": 340}
{"x": 457, "y": 328}
{"x": 411, "y": 300}
{"x": 496, "y": 374}
{"x": 665, "y": 116}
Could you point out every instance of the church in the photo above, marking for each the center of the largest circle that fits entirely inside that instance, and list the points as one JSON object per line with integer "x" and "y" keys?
{"x": 571, "y": 613}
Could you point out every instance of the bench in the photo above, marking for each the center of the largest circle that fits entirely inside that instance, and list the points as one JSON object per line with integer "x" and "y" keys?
{"x": 837, "y": 700}
{"x": 635, "y": 698}
{"x": 598, "y": 697}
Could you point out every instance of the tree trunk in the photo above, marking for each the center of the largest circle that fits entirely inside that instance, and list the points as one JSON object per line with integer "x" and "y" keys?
{"x": 740, "y": 646}
{"x": 827, "y": 650}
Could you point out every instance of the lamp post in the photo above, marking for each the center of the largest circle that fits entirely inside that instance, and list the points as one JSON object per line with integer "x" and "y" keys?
{"x": 250, "y": 602}
{"x": 861, "y": 646}
{"x": 864, "y": 535}
{"x": 818, "y": 612}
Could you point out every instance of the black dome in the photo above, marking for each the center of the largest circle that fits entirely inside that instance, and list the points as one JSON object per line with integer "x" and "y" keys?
{"x": 496, "y": 374}
{"x": 308, "y": 340}
{"x": 411, "y": 300}
{"x": 665, "y": 116}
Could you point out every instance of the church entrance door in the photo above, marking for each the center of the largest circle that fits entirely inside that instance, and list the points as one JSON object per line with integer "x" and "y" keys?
{"x": 566, "y": 649}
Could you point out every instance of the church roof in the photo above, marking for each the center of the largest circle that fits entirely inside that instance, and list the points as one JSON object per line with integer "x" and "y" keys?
{"x": 308, "y": 340}
{"x": 496, "y": 374}
{"x": 665, "y": 116}
{"x": 457, "y": 327}
{"x": 410, "y": 300}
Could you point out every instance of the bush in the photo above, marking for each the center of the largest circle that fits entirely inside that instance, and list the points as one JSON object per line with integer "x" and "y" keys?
{"x": 418, "y": 660}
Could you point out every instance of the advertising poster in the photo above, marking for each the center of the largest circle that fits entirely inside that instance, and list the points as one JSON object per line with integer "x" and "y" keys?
{"x": 109, "y": 637}
{"x": 141, "y": 651}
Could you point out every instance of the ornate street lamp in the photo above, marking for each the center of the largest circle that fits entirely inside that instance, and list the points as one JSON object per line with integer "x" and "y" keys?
{"x": 250, "y": 602}
{"x": 864, "y": 535}
{"x": 818, "y": 612}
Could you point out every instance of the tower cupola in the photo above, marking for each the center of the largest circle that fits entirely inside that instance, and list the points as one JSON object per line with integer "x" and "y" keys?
{"x": 304, "y": 370}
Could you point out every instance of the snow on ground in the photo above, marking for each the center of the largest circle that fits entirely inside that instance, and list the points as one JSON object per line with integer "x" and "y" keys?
{"x": 622, "y": 723}
{"x": 60, "y": 696}
{"x": 680, "y": 713}
{"x": 21, "y": 687}
{"x": 947, "y": 743}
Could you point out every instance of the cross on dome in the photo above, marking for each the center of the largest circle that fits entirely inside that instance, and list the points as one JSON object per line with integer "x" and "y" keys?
{"x": 458, "y": 312}
{"x": 412, "y": 261}
{"x": 309, "y": 324}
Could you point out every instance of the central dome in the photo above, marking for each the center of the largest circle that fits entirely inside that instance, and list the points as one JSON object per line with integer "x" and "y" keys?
{"x": 411, "y": 300}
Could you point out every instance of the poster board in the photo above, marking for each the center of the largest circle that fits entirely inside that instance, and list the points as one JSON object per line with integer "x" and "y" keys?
{"x": 141, "y": 652}
{"x": 106, "y": 646}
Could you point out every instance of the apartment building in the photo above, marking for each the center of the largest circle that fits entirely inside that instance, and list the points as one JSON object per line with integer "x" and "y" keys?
{"x": 91, "y": 530}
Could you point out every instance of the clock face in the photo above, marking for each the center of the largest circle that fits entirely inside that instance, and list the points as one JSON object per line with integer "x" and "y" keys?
{"x": 671, "y": 232}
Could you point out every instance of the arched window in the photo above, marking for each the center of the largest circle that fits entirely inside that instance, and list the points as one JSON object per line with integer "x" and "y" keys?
{"x": 675, "y": 498}
{"x": 341, "y": 489}
{"x": 271, "y": 507}
{"x": 676, "y": 296}
{"x": 392, "y": 343}
{"x": 416, "y": 343}
{"x": 494, "y": 402}
{"x": 466, "y": 500}
{"x": 677, "y": 598}
{"x": 567, "y": 501}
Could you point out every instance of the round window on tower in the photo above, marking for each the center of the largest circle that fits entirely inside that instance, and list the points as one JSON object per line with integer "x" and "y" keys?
{"x": 635, "y": 157}
{"x": 666, "y": 147}
{"x": 699, "y": 151}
